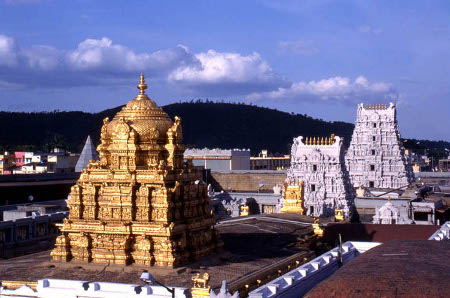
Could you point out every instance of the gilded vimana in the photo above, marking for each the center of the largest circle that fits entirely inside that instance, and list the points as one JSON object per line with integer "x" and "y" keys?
{"x": 140, "y": 203}
{"x": 272, "y": 149}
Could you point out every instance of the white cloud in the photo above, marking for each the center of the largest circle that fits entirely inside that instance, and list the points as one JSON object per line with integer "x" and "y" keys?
{"x": 227, "y": 73}
{"x": 210, "y": 73}
{"x": 98, "y": 61}
{"x": 7, "y": 85}
{"x": 298, "y": 47}
{"x": 331, "y": 89}
{"x": 42, "y": 57}
{"x": 370, "y": 30}
{"x": 12, "y": 2}
{"x": 8, "y": 51}
{"x": 102, "y": 54}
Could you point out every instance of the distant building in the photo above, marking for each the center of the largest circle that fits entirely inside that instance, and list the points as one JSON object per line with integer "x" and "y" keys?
{"x": 219, "y": 159}
{"x": 319, "y": 163}
{"x": 265, "y": 162}
{"x": 444, "y": 165}
{"x": 388, "y": 214}
{"x": 34, "y": 168}
{"x": 88, "y": 153}
{"x": 62, "y": 163}
{"x": 6, "y": 163}
{"x": 57, "y": 161}
{"x": 376, "y": 157}
{"x": 21, "y": 158}
{"x": 419, "y": 162}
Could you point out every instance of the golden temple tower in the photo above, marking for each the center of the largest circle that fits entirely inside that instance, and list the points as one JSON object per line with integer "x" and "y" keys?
{"x": 140, "y": 203}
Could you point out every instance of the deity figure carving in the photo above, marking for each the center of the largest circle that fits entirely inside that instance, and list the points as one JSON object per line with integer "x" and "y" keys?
{"x": 140, "y": 203}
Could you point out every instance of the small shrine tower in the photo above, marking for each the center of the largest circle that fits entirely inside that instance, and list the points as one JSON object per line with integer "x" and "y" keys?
{"x": 140, "y": 203}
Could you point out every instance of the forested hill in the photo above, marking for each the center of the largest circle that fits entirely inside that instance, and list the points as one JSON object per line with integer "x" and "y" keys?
{"x": 205, "y": 124}
{"x": 224, "y": 125}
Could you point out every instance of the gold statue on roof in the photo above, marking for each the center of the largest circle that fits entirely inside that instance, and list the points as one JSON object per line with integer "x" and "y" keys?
{"x": 293, "y": 197}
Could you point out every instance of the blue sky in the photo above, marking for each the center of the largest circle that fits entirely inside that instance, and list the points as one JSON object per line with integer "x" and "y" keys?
{"x": 315, "y": 57}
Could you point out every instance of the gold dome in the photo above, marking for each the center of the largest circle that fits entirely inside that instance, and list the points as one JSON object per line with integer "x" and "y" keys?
{"x": 142, "y": 114}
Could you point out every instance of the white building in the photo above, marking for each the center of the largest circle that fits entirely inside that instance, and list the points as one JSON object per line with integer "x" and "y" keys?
{"x": 219, "y": 159}
{"x": 265, "y": 162}
{"x": 376, "y": 157}
{"x": 388, "y": 214}
{"x": 320, "y": 165}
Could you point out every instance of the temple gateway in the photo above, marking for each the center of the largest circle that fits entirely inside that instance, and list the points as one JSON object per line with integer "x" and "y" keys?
{"x": 140, "y": 203}
{"x": 376, "y": 156}
{"x": 317, "y": 165}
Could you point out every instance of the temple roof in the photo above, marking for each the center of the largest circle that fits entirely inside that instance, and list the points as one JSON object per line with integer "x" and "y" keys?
{"x": 143, "y": 115}
{"x": 88, "y": 153}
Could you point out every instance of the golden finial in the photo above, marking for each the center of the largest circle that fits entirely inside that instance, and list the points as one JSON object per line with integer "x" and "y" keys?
{"x": 321, "y": 141}
{"x": 306, "y": 140}
{"x": 367, "y": 106}
{"x": 314, "y": 141}
{"x": 142, "y": 86}
{"x": 389, "y": 199}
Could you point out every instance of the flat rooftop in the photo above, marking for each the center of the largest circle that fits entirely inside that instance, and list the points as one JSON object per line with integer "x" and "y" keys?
{"x": 398, "y": 268}
{"x": 250, "y": 244}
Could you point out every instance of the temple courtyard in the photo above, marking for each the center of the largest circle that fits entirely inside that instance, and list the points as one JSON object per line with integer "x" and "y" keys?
{"x": 254, "y": 245}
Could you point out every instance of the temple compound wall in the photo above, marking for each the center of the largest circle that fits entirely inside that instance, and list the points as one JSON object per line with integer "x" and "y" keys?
{"x": 319, "y": 163}
{"x": 376, "y": 156}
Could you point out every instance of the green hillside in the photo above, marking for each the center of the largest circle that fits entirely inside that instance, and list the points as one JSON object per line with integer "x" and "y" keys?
{"x": 205, "y": 124}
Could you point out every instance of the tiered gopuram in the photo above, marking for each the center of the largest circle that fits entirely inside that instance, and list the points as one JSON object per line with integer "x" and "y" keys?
{"x": 140, "y": 203}
{"x": 376, "y": 155}
{"x": 318, "y": 165}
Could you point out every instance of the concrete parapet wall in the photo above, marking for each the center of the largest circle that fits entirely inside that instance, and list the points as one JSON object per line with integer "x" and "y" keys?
{"x": 432, "y": 174}
{"x": 442, "y": 234}
{"x": 299, "y": 281}
{"x": 247, "y": 181}
{"x": 76, "y": 288}
{"x": 29, "y": 235}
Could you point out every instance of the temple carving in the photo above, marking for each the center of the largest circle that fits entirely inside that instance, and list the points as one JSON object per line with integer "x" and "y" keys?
{"x": 376, "y": 157}
{"x": 317, "y": 167}
{"x": 140, "y": 203}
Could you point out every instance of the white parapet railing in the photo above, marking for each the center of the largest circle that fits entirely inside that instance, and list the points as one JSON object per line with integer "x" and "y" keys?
{"x": 57, "y": 288}
{"x": 443, "y": 233}
{"x": 299, "y": 281}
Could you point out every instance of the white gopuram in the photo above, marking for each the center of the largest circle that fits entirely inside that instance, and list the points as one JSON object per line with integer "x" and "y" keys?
{"x": 319, "y": 163}
{"x": 376, "y": 157}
